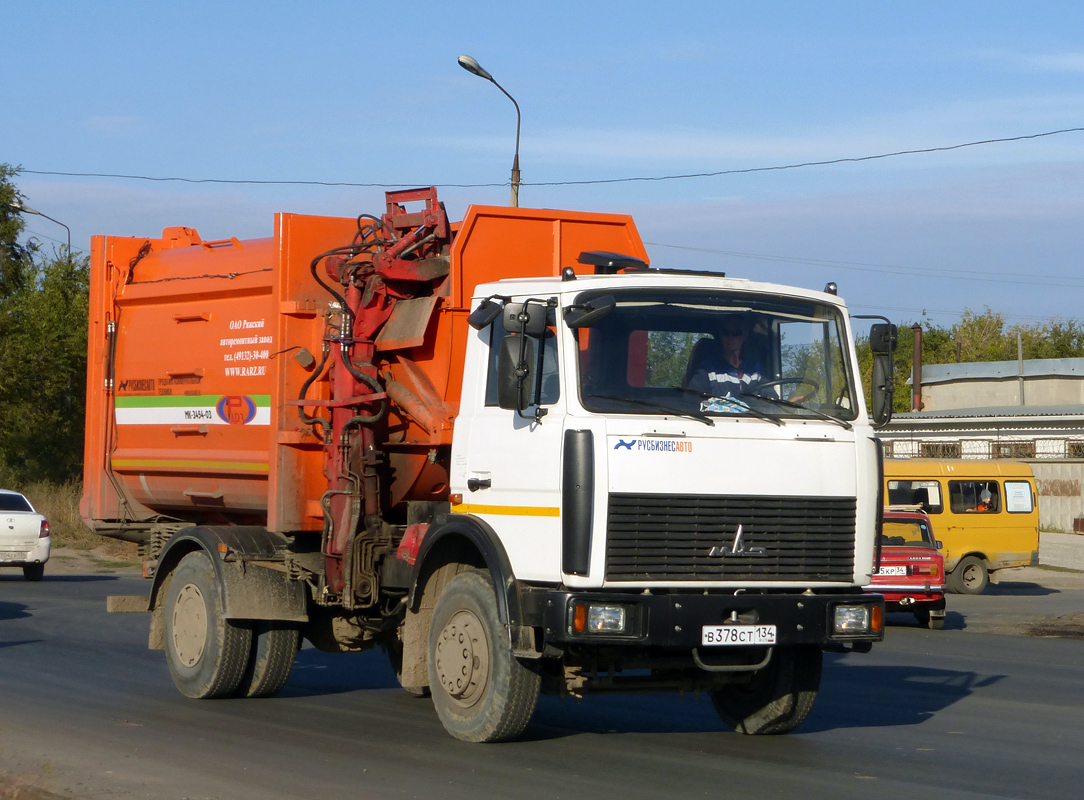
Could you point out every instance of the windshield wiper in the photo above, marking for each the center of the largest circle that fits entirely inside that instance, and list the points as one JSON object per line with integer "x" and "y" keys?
{"x": 780, "y": 401}
{"x": 697, "y": 415}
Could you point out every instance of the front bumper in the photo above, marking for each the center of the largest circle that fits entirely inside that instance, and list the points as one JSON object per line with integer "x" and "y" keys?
{"x": 676, "y": 621}
{"x": 922, "y": 593}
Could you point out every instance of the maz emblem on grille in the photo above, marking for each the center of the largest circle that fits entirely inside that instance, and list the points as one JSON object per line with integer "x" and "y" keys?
{"x": 737, "y": 548}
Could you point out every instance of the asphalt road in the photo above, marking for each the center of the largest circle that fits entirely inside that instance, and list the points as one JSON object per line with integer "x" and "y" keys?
{"x": 88, "y": 712}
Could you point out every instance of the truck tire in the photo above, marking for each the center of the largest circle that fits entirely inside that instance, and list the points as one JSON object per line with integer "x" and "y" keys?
{"x": 778, "y": 698}
{"x": 206, "y": 653}
{"x": 970, "y": 576}
{"x": 270, "y": 660}
{"x": 481, "y": 691}
{"x": 33, "y": 572}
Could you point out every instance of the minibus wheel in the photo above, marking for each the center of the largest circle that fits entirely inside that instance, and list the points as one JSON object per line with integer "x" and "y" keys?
{"x": 970, "y": 576}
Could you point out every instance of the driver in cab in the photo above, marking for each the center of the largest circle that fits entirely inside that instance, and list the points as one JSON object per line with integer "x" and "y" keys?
{"x": 720, "y": 368}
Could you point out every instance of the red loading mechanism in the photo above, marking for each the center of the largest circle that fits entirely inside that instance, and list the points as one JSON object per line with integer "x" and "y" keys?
{"x": 401, "y": 256}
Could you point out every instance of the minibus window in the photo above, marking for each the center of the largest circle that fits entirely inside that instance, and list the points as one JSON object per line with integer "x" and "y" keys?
{"x": 922, "y": 493}
{"x": 1018, "y": 497}
{"x": 974, "y": 497}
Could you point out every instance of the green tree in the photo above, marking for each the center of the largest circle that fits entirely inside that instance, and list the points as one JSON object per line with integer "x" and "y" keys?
{"x": 43, "y": 345}
{"x": 14, "y": 257}
{"x": 981, "y": 337}
{"x": 976, "y": 337}
{"x": 668, "y": 355}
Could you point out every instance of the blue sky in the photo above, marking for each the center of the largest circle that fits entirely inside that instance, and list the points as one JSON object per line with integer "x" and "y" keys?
{"x": 368, "y": 92}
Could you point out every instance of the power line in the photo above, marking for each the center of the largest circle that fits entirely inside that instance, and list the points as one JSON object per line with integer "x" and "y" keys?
{"x": 828, "y": 162}
{"x": 893, "y": 269}
{"x": 645, "y": 178}
{"x": 53, "y": 239}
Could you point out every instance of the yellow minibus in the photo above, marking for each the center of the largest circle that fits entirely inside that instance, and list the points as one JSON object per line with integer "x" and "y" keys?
{"x": 985, "y": 513}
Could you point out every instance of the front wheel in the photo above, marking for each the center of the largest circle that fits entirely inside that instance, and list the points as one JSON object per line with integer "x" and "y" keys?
{"x": 481, "y": 691}
{"x": 206, "y": 653}
{"x": 970, "y": 576}
{"x": 777, "y": 698}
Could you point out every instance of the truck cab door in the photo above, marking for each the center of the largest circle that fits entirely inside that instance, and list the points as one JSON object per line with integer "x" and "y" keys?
{"x": 509, "y": 472}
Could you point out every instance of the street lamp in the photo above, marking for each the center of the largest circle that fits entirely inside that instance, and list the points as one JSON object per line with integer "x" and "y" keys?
{"x": 18, "y": 207}
{"x": 474, "y": 68}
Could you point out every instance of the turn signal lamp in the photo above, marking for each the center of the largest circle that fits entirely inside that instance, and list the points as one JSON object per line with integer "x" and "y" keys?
{"x": 579, "y": 617}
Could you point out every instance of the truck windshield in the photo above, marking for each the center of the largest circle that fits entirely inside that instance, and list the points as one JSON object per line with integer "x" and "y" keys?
{"x": 718, "y": 354}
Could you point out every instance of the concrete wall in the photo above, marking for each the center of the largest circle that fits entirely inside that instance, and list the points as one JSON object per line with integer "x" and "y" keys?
{"x": 1061, "y": 493}
{"x": 1044, "y": 391}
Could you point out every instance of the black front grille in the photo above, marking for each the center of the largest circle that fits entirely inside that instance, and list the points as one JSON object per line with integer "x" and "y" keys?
{"x": 669, "y": 538}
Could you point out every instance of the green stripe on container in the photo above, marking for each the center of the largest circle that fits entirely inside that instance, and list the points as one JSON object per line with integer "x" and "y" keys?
{"x": 186, "y": 401}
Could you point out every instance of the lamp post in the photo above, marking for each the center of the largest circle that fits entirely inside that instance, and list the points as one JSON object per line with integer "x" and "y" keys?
{"x": 19, "y": 208}
{"x": 474, "y": 68}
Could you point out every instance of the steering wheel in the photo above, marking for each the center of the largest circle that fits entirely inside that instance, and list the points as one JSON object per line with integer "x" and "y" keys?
{"x": 797, "y": 381}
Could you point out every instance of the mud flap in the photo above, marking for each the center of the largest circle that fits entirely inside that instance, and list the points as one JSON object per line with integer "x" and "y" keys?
{"x": 253, "y": 591}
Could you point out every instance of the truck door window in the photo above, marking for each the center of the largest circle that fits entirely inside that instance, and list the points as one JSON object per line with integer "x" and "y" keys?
{"x": 923, "y": 493}
{"x": 974, "y": 497}
{"x": 551, "y": 383}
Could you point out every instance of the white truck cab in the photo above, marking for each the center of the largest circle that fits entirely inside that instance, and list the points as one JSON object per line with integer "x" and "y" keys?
{"x": 658, "y": 501}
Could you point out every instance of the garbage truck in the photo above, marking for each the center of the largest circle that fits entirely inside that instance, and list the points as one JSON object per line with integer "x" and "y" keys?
{"x": 505, "y": 450}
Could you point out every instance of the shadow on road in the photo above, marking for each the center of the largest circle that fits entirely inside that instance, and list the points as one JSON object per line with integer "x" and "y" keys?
{"x": 1019, "y": 589}
{"x": 868, "y": 696}
{"x": 851, "y": 697}
{"x": 319, "y": 673}
{"x": 20, "y": 641}
{"x": 954, "y": 620}
{"x": 12, "y": 610}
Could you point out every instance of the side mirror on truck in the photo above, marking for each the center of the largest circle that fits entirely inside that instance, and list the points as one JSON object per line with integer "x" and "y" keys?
{"x": 486, "y": 312}
{"x": 590, "y": 313}
{"x": 525, "y": 318}
{"x": 882, "y": 341}
{"x": 514, "y": 360}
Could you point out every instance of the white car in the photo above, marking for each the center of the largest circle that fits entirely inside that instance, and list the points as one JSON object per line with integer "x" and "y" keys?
{"x": 24, "y": 536}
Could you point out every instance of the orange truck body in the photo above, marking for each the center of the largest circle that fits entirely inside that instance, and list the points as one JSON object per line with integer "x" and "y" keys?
{"x": 199, "y": 351}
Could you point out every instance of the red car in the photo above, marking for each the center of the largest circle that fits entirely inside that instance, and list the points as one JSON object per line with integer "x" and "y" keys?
{"x": 912, "y": 571}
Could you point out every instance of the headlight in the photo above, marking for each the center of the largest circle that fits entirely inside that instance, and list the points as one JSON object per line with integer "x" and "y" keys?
{"x": 606, "y": 619}
{"x": 599, "y": 618}
{"x": 851, "y": 620}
